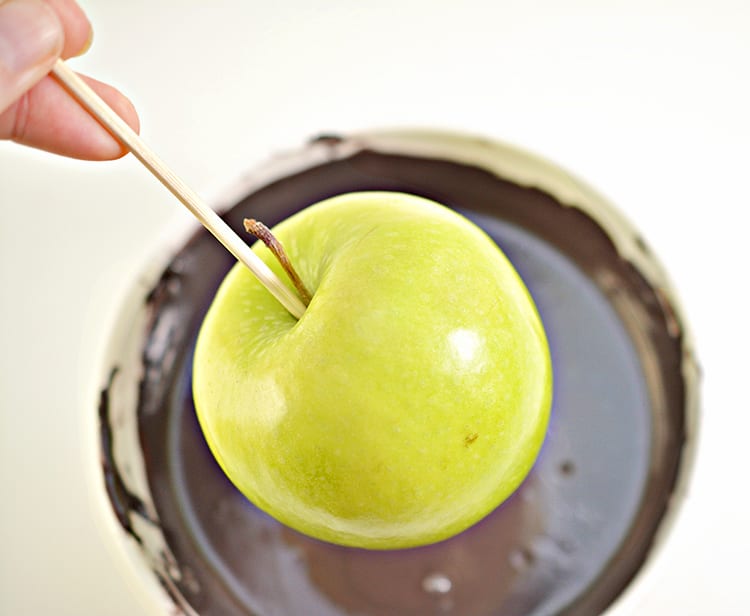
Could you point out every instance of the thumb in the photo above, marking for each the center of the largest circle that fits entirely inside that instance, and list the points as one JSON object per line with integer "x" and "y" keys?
{"x": 31, "y": 39}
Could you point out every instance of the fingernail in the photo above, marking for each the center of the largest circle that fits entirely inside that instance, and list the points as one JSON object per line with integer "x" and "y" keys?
{"x": 88, "y": 43}
{"x": 30, "y": 34}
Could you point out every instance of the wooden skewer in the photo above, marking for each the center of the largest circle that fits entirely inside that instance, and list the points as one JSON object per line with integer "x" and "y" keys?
{"x": 208, "y": 218}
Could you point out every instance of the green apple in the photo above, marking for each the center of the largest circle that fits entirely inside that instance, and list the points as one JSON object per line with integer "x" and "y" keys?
{"x": 409, "y": 400}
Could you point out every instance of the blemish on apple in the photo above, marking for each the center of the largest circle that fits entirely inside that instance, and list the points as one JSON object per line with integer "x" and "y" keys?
{"x": 470, "y": 438}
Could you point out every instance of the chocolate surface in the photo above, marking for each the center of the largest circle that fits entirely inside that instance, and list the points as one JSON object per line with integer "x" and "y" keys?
{"x": 573, "y": 535}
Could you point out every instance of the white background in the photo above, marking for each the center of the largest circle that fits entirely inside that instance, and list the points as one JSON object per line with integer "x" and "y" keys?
{"x": 647, "y": 100}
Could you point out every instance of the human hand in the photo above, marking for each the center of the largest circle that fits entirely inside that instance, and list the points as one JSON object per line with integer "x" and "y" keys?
{"x": 35, "y": 110}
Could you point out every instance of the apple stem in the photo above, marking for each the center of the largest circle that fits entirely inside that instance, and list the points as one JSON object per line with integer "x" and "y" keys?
{"x": 263, "y": 233}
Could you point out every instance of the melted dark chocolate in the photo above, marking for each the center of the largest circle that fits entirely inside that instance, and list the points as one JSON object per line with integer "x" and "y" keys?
{"x": 123, "y": 501}
{"x": 571, "y": 538}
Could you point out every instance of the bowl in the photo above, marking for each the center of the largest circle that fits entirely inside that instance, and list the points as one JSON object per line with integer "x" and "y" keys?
{"x": 579, "y": 534}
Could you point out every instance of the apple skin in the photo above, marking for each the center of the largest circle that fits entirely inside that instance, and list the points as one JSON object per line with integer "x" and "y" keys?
{"x": 410, "y": 399}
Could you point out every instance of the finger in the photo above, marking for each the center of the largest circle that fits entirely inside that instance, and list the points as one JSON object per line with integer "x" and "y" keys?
{"x": 31, "y": 38}
{"x": 77, "y": 27}
{"x": 50, "y": 119}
